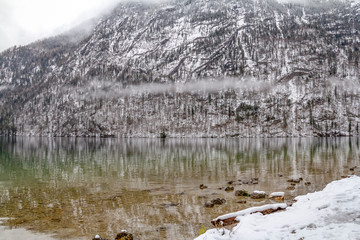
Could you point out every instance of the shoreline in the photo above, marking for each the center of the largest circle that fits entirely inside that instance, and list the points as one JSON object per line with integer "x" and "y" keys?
{"x": 316, "y": 215}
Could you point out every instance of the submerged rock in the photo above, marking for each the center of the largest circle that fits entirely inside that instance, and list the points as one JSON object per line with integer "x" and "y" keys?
{"x": 209, "y": 205}
{"x": 251, "y": 181}
{"x": 296, "y": 180}
{"x": 218, "y": 201}
{"x": 229, "y": 189}
{"x": 202, "y": 186}
{"x": 164, "y": 205}
{"x": 161, "y": 229}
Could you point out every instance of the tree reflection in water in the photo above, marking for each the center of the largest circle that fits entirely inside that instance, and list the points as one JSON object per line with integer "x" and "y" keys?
{"x": 76, "y": 187}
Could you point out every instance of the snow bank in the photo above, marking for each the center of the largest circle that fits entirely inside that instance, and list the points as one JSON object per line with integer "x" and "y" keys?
{"x": 333, "y": 213}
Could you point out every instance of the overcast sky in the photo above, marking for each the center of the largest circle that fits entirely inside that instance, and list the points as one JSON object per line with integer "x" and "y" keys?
{"x": 25, "y": 21}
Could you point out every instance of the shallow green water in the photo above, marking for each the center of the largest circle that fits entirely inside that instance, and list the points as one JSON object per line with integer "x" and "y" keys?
{"x": 74, "y": 188}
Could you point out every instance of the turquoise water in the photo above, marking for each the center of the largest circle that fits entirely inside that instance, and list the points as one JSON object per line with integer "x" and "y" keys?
{"x": 76, "y": 188}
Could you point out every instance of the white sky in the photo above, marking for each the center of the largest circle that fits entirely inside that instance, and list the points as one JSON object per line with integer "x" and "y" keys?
{"x": 25, "y": 21}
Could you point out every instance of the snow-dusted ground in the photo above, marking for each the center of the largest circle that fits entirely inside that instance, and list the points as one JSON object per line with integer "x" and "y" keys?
{"x": 333, "y": 213}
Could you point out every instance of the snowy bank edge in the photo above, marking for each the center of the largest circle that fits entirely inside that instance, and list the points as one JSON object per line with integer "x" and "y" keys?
{"x": 301, "y": 218}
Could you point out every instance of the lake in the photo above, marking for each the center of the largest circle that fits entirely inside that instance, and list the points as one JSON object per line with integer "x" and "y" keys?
{"x": 74, "y": 188}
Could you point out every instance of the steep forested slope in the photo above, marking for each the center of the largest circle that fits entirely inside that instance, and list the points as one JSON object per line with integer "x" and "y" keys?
{"x": 191, "y": 68}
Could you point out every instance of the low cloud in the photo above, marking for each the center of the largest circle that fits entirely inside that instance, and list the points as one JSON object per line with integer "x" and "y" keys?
{"x": 109, "y": 89}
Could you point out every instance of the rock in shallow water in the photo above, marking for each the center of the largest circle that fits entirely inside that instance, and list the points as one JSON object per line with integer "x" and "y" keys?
{"x": 124, "y": 235}
{"x": 242, "y": 193}
{"x": 296, "y": 180}
{"x": 208, "y": 205}
{"x": 218, "y": 201}
{"x": 229, "y": 189}
{"x": 258, "y": 195}
{"x": 277, "y": 196}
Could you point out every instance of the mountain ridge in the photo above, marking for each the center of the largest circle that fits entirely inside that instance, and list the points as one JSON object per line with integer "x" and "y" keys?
{"x": 308, "y": 54}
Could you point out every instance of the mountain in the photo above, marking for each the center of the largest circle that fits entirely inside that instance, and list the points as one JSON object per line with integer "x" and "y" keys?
{"x": 204, "y": 68}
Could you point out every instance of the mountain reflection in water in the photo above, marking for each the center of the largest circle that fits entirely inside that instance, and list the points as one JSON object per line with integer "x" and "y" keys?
{"x": 75, "y": 187}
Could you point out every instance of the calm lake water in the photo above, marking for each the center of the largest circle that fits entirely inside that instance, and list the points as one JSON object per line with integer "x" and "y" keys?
{"x": 76, "y": 188}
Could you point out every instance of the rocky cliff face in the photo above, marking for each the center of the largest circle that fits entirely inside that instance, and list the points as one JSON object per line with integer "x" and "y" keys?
{"x": 191, "y": 68}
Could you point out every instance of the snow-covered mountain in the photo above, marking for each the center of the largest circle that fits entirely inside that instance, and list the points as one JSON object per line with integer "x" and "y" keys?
{"x": 206, "y": 68}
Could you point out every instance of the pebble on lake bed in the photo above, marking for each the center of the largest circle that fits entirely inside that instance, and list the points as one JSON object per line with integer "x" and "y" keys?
{"x": 218, "y": 201}
{"x": 166, "y": 205}
{"x": 296, "y": 180}
{"x": 208, "y": 205}
{"x": 242, "y": 193}
{"x": 229, "y": 189}
{"x": 251, "y": 181}
{"x": 161, "y": 229}
{"x": 202, "y": 186}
